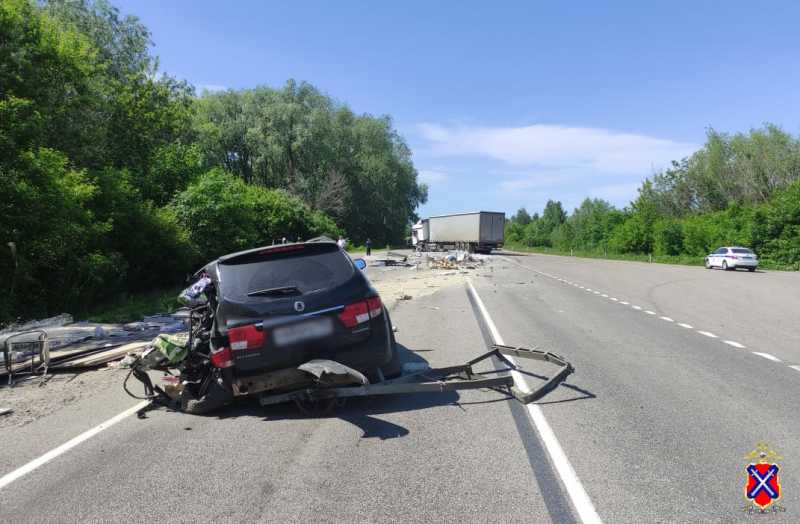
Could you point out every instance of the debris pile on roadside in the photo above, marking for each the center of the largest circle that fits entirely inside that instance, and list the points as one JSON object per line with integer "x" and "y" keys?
{"x": 37, "y": 348}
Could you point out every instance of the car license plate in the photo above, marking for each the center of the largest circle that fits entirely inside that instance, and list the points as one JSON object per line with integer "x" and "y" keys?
{"x": 313, "y": 329}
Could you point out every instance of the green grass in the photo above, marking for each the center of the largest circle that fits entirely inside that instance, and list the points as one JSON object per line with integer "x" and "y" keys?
{"x": 131, "y": 308}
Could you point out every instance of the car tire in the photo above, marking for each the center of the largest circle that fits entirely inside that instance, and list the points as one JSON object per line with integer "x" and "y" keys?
{"x": 724, "y": 265}
{"x": 708, "y": 264}
{"x": 751, "y": 269}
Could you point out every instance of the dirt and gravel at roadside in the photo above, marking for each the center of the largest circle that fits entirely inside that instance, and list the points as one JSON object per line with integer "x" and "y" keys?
{"x": 38, "y": 396}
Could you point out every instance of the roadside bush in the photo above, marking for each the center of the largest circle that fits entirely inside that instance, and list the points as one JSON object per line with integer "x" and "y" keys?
{"x": 668, "y": 237}
{"x": 223, "y": 215}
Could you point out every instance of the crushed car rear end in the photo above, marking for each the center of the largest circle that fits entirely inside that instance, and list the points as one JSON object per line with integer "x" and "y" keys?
{"x": 281, "y": 306}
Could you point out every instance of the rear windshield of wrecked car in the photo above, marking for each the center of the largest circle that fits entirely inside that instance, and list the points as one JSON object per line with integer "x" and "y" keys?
{"x": 308, "y": 270}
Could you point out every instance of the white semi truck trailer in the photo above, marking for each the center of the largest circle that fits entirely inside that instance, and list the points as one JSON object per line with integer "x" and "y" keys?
{"x": 476, "y": 232}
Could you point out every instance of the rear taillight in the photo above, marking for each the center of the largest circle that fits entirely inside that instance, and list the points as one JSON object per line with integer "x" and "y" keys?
{"x": 246, "y": 337}
{"x": 360, "y": 312}
{"x": 734, "y": 257}
{"x": 375, "y": 307}
{"x": 222, "y": 358}
{"x": 354, "y": 314}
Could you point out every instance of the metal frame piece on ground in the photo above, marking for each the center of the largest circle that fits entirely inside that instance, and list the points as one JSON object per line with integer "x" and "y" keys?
{"x": 452, "y": 378}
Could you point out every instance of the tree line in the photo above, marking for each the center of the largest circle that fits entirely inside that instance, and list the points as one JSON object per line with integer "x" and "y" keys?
{"x": 741, "y": 189}
{"x": 115, "y": 178}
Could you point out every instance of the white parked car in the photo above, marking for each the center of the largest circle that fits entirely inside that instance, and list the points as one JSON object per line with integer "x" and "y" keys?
{"x": 732, "y": 257}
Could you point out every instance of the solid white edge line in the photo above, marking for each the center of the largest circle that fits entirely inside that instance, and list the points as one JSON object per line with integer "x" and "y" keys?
{"x": 580, "y": 498}
{"x": 50, "y": 455}
{"x": 767, "y": 355}
{"x": 734, "y": 344}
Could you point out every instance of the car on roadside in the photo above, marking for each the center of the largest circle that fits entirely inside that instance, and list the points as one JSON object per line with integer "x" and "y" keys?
{"x": 732, "y": 257}
{"x": 277, "y": 307}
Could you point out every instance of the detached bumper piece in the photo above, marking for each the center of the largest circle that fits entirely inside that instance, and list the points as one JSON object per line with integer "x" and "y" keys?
{"x": 336, "y": 381}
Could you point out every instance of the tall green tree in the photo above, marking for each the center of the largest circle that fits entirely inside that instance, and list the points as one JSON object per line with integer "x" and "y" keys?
{"x": 355, "y": 168}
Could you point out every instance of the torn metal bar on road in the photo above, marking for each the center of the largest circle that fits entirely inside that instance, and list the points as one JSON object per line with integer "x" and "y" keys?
{"x": 452, "y": 378}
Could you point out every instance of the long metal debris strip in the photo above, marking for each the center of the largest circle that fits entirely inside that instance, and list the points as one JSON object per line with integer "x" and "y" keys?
{"x": 451, "y": 378}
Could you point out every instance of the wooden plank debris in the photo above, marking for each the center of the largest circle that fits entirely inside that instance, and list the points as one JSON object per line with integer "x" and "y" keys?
{"x": 100, "y": 357}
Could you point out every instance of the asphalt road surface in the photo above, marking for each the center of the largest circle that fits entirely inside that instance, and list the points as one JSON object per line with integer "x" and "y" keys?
{"x": 680, "y": 373}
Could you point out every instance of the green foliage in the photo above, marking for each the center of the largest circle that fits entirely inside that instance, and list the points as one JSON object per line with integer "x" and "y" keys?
{"x": 668, "y": 235}
{"x": 218, "y": 212}
{"x": 515, "y": 226}
{"x": 356, "y": 169}
{"x": 86, "y": 131}
{"x": 632, "y": 236}
{"x": 225, "y": 215}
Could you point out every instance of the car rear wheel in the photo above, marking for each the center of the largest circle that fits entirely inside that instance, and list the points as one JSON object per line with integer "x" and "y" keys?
{"x": 708, "y": 264}
{"x": 724, "y": 265}
{"x": 751, "y": 269}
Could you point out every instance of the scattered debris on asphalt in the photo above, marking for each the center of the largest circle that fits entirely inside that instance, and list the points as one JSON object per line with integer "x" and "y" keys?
{"x": 36, "y": 348}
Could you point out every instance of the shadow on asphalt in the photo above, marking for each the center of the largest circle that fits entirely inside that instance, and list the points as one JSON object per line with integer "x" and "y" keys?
{"x": 363, "y": 412}
{"x": 585, "y": 395}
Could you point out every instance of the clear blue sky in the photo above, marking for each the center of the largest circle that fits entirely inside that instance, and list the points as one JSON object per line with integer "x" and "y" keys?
{"x": 508, "y": 104}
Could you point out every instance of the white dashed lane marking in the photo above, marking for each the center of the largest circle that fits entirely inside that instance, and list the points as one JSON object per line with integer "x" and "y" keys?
{"x": 734, "y": 344}
{"x": 767, "y": 355}
{"x": 668, "y": 319}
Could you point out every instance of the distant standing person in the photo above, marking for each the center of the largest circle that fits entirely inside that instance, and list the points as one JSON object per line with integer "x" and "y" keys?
{"x": 342, "y": 242}
{"x": 369, "y": 247}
